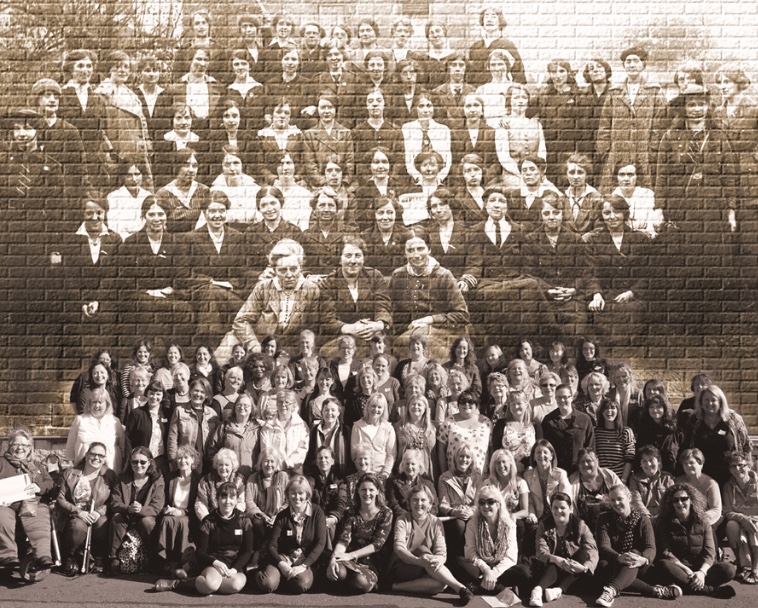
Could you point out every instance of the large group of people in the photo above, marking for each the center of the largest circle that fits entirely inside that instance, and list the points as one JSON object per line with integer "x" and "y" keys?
{"x": 362, "y": 472}
{"x": 345, "y": 224}
{"x": 161, "y": 190}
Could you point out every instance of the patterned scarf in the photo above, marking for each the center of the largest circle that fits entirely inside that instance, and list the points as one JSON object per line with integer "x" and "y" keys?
{"x": 628, "y": 525}
{"x": 491, "y": 550}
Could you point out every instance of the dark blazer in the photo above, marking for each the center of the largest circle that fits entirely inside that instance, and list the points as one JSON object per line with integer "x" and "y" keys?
{"x": 448, "y": 109}
{"x": 207, "y": 264}
{"x": 267, "y": 152}
{"x": 85, "y": 281}
{"x": 252, "y": 107}
{"x": 63, "y": 143}
{"x": 347, "y": 91}
{"x": 159, "y": 122}
{"x": 142, "y": 270}
{"x": 318, "y": 145}
{"x": 385, "y": 258}
{"x": 565, "y": 265}
{"x": 468, "y": 208}
{"x": 121, "y": 497}
{"x": 284, "y": 539}
{"x": 454, "y": 259}
{"x": 389, "y": 136}
{"x": 171, "y": 482}
{"x": 395, "y": 108}
{"x": 339, "y": 308}
{"x": 139, "y": 427}
{"x": 329, "y": 492}
{"x": 485, "y": 261}
{"x": 460, "y": 145}
{"x": 615, "y": 271}
{"x": 178, "y": 93}
{"x": 365, "y": 196}
{"x": 300, "y": 93}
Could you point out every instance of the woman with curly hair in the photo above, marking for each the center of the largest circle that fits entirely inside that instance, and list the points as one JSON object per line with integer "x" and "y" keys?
{"x": 358, "y": 555}
{"x": 463, "y": 357}
{"x": 686, "y": 545}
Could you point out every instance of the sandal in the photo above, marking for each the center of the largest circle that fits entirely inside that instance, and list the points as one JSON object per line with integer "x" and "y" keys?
{"x": 750, "y": 577}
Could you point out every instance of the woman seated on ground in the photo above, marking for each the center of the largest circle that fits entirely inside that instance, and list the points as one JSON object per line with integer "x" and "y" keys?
{"x": 398, "y": 487}
{"x": 359, "y": 552}
{"x": 83, "y": 500}
{"x": 590, "y": 486}
{"x": 30, "y": 514}
{"x": 566, "y": 549}
{"x": 740, "y": 496}
{"x": 224, "y": 548}
{"x": 686, "y": 545}
{"x": 626, "y": 543}
{"x": 297, "y": 542}
{"x": 136, "y": 502}
{"x": 491, "y": 549}
{"x": 504, "y": 476}
{"x": 225, "y": 469}
{"x": 648, "y": 484}
{"x": 457, "y": 488}
{"x": 421, "y": 552}
{"x": 177, "y": 527}
{"x": 239, "y": 433}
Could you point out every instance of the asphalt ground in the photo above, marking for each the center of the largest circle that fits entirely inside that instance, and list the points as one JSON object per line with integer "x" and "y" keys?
{"x": 96, "y": 591}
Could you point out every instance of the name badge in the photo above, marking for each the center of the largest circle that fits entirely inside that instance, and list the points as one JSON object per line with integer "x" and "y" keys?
{"x": 722, "y": 432}
{"x": 238, "y": 532}
{"x": 164, "y": 420}
{"x": 332, "y": 486}
{"x": 290, "y": 532}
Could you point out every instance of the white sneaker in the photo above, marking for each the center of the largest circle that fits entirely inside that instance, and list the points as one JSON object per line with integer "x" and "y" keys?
{"x": 606, "y": 597}
{"x": 536, "y": 597}
{"x": 553, "y": 593}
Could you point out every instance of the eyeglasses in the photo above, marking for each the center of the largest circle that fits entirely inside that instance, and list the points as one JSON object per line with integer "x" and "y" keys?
{"x": 487, "y": 502}
{"x": 98, "y": 456}
{"x": 739, "y": 465}
{"x": 140, "y": 462}
{"x": 681, "y": 499}
{"x": 21, "y": 446}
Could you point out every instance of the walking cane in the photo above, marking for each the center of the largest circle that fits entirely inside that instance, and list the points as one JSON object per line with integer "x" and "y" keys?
{"x": 56, "y": 546}
{"x": 88, "y": 542}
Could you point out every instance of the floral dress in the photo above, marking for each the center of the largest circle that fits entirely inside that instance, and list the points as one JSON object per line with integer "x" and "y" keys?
{"x": 478, "y": 438}
{"x": 357, "y": 533}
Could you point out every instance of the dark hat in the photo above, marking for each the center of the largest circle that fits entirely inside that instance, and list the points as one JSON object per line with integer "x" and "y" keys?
{"x": 26, "y": 115}
{"x": 635, "y": 50}
{"x": 45, "y": 84}
{"x": 695, "y": 90}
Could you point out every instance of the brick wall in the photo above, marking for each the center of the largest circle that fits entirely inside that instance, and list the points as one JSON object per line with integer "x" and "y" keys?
{"x": 711, "y": 32}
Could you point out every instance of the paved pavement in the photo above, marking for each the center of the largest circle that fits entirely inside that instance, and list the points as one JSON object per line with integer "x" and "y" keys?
{"x": 94, "y": 591}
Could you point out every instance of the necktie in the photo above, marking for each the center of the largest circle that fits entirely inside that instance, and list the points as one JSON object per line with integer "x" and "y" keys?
{"x": 498, "y": 236}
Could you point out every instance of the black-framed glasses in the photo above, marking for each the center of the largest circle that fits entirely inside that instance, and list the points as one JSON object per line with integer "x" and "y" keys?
{"x": 142, "y": 462}
{"x": 98, "y": 456}
{"x": 487, "y": 502}
{"x": 681, "y": 499}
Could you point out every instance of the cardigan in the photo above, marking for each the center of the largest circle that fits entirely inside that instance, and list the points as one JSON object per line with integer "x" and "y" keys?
{"x": 284, "y": 540}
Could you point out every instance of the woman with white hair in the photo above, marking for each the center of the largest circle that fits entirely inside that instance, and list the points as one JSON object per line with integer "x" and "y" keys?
{"x": 283, "y": 305}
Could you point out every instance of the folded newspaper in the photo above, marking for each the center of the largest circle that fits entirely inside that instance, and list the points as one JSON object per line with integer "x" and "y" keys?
{"x": 13, "y": 489}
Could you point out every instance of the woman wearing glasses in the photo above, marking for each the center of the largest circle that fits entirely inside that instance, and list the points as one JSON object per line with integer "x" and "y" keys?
{"x": 740, "y": 499}
{"x": 686, "y": 545}
{"x": 137, "y": 500}
{"x": 33, "y": 516}
{"x": 491, "y": 549}
{"x": 83, "y": 500}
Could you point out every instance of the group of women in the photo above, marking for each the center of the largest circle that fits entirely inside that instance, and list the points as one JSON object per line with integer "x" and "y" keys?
{"x": 279, "y": 138}
{"x": 253, "y": 474}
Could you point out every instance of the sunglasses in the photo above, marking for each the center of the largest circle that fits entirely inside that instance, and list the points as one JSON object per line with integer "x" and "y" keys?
{"x": 487, "y": 502}
{"x": 681, "y": 499}
{"x": 98, "y": 456}
{"x": 142, "y": 462}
